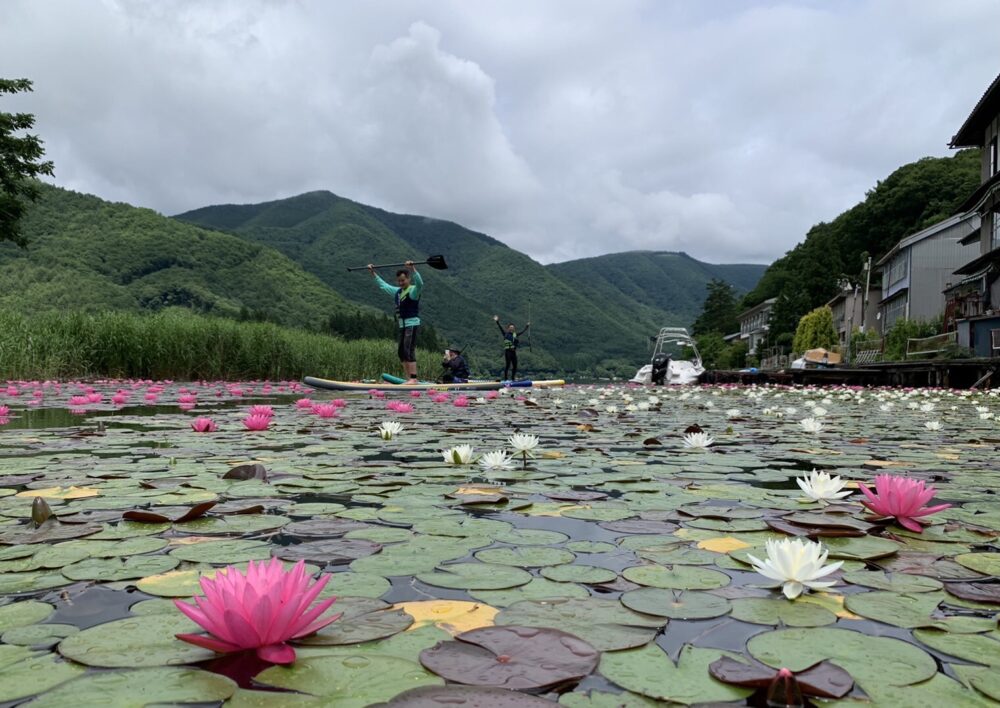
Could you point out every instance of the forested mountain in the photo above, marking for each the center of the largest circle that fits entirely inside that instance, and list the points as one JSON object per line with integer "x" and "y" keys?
{"x": 912, "y": 198}
{"x": 595, "y": 322}
{"x": 90, "y": 255}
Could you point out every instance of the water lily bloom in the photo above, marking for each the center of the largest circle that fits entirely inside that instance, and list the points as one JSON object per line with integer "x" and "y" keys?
{"x": 186, "y": 398}
{"x": 458, "y": 455}
{"x": 389, "y": 429}
{"x": 261, "y": 410}
{"x": 461, "y": 402}
{"x": 901, "y": 498}
{"x": 204, "y": 425}
{"x": 257, "y": 422}
{"x": 698, "y": 440}
{"x": 94, "y": 397}
{"x": 522, "y": 442}
{"x": 325, "y": 410}
{"x": 78, "y": 401}
{"x": 261, "y": 610}
{"x": 399, "y": 407}
{"x": 811, "y": 425}
{"x": 820, "y": 486}
{"x": 496, "y": 460}
{"x": 492, "y": 395}
{"x": 933, "y": 425}
{"x": 4, "y": 411}
{"x": 304, "y": 403}
{"x": 795, "y": 565}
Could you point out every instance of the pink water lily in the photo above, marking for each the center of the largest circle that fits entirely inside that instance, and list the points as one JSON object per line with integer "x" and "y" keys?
{"x": 4, "y": 411}
{"x": 325, "y": 410}
{"x": 901, "y": 498}
{"x": 461, "y": 402}
{"x": 257, "y": 422}
{"x": 304, "y": 403}
{"x": 261, "y": 610}
{"x": 204, "y": 425}
{"x": 399, "y": 407}
{"x": 261, "y": 410}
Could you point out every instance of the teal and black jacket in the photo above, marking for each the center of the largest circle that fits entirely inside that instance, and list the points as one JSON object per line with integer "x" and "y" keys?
{"x": 407, "y": 299}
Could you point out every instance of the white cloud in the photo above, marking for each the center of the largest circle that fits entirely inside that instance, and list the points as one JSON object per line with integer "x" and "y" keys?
{"x": 565, "y": 129}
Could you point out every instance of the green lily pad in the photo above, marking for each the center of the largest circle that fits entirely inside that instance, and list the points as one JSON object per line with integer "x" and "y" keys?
{"x": 537, "y": 589}
{"x": 356, "y": 585}
{"x": 475, "y": 576}
{"x": 977, "y": 648}
{"x": 591, "y": 547}
{"x": 24, "y": 672}
{"x": 895, "y": 582}
{"x": 526, "y": 556}
{"x": 587, "y": 574}
{"x": 912, "y": 610}
{"x": 223, "y": 552}
{"x": 20, "y": 614}
{"x": 678, "y": 577}
{"x": 650, "y": 672}
{"x": 363, "y": 620}
{"x": 860, "y": 548}
{"x": 39, "y": 635}
{"x": 984, "y": 679}
{"x": 761, "y": 610}
{"x": 136, "y": 642}
{"x": 604, "y": 624}
{"x": 985, "y": 563}
{"x": 139, "y": 688}
{"x": 873, "y": 662}
{"x": 675, "y": 604}
{"x": 530, "y": 537}
{"x": 12, "y": 583}
{"x": 112, "y": 569}
{"x": 349, "y": 681}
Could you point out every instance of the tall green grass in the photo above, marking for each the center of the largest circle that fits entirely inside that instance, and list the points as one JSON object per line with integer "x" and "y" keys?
{"x": 180, "y": 344}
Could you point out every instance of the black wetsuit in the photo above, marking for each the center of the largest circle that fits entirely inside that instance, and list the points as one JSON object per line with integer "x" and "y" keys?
{"x": 510, "y": 343}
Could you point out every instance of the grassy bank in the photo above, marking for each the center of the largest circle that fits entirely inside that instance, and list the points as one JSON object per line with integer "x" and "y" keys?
{"x": 179, "y": 344}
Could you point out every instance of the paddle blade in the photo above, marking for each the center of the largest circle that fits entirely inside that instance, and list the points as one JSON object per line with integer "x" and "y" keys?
{"x": 437, "y": 262}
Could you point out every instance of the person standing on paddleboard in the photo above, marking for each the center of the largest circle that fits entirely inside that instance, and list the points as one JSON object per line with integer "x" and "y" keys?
{"x": 510, "y": 343}
{"x": 407, "y": 298}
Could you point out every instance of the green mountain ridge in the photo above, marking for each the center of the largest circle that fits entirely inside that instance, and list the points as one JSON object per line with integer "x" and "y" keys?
{"x": 586, "y": 315}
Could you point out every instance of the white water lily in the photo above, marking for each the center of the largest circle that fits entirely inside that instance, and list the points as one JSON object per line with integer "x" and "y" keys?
{"x": 986, "y": 416}
{"x": 698, "y": 441}
{"x": 819, "y": 411}
{"x": 795, "y": 565}
{"x": 458, "y": 455}
{"x": 653, "y": 400}
{"x": 643, "y": 405}
{"x": 926, "y": 407}
{"x": 496, "y": 460}
{"x": 811, "y": 425}
{"x": 886, "y": 407}
{"x": 933, "y": 425}
{"x": 820, "y": 486}
{"x": 389, "y": 429}
{"x": 611, "y": 409}
{"x": 522, "y": 442}
{"x": 733, "y": 413}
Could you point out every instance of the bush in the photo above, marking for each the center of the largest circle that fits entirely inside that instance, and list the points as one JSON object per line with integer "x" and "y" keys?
{"x": 902, "y": 330}
{"x": 815, "y": 330}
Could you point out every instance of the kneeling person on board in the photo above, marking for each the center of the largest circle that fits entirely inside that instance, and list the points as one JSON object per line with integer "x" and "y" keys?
{"x": 407, "y": 298}
{"x": 455, "y": 368}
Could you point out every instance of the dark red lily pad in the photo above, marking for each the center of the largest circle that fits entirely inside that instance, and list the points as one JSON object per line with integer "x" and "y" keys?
{"x": 824, "y": 679}
{"x": 246, "y": 472}
{"x": 639, "y": 526}
{"x": 574, "y": 495}
{"x": 917, "y": 563}
{"x": 832, "y": 521}
{"x": 473, "y": 499}
{"x": 975, "y": 592}
{"x": 169, "y": 514}
{"x": 513, "y": 657}
{"x": 333, "y": 551}
{"x": 464, "y": 696}
{"x": 813, "y": 531}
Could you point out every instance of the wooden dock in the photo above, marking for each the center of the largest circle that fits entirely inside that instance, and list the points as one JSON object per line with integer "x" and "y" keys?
{"x": 936, "y": 373}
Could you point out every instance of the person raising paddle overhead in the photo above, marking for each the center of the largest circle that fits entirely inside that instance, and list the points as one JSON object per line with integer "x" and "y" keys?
{"x": 407, "y": 299}
{"x": 510, "y": 343}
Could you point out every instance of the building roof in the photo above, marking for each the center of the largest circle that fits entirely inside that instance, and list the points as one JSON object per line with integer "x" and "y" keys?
{"x": 971, "y": 132}
{"x": 980, "y": 263}
{"x": 937, "y": 228}
{"x": 756, "y": 308}
{"x": 895, "y": 294}
{"x": 979, "y": 196}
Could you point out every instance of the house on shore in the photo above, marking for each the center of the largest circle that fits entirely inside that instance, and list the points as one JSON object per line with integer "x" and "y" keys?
{"x": 973, "y": 299}
{"x": 753, "y": 324}
{"x": 920, "y": 267}
{"x": 853, "y": 310}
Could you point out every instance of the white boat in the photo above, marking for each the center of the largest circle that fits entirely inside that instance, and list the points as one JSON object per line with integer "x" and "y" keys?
{"x": 675, "y": 360}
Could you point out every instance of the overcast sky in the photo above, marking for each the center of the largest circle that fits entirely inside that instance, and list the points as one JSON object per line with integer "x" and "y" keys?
{"x": 565, "y": 128}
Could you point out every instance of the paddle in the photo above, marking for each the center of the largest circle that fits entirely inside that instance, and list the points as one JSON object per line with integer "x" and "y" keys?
{"x": 435, "y": 262}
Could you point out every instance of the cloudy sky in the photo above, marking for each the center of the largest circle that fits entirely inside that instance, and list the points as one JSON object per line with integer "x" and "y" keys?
{"x": 565, "y": 128}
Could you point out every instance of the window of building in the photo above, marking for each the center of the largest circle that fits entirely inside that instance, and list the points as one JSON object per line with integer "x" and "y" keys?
{"x": 894, "y": 311}
{"x": 897, "y": 268}
{"x": 995, "y": 234}
{"x": 993, "y": 156}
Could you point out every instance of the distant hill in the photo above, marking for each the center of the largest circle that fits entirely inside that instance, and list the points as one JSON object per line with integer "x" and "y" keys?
{"x": 661, "y": 288}
{"x": 88, "y": 254}
{"x": 597, "y": 326}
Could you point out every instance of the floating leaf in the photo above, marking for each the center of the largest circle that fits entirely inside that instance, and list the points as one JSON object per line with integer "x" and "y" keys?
{"x": 825, "y": 680}
{"x": 135, "y": 642}
{"x": 678, "y": 577}
{"x": 24, "y": 672}
{"x": 328, "y": 552}
{"x": 675, "y": 604}
{"x": 20, "y": 614}
{"x": 896, "y": 582}
{"x": 168, "y": 515}
{"x": 587, "y": 574}
{"x": 246, "y": 472}
{"x": 976, "y": 592}
{"x": 985, "y": 563}
{"x": 139, "y": 688}
{"x": 475, "y": 576}
{"x": 604, "y": 624}
{"x": 519, "y": 658}
{"x": 650, "y": 672}
{"x": 977, "y": 648}
{"x": 436, "y": 696}
{"x": 453, "y": 616}
{"x": 796, "y": 613}
{"x": 363, "y": 620}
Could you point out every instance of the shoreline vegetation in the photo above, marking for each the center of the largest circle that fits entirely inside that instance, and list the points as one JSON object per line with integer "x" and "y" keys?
{"x": 176, "y": 343}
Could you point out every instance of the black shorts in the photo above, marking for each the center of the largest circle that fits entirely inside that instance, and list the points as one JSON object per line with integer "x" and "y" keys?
{"x": 408, "y": 343}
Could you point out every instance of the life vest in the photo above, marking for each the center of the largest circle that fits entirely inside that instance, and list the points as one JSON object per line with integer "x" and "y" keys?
{"x": 510, "y": 340}
{"x": 406, "y": 307}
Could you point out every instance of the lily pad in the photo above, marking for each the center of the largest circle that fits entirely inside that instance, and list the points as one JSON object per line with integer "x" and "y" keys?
{"x": 604, "y": 624}
{"x": 518, "y": 658}
{"x": 912, "y": 610}
{"x": 650, "y": 672}
{"x": 437, "y": 696}
{"x": 795, "y": 613}
{"x": 895, "y": 582}
{"x": 113, "y": 569}
{"x": 24, "y": 672}
{"x": 977, "y": 648}
{"x": 139, "y": 688}
{"x": 825, "y": 680}
{"x": 537, "y": 589}
{"x": 356, "y": 585}
{"x": 985, "y": 563}
{"x": 363, "y": 620}
{"x": 135, "y": 642}
{"x": 587, "y": 574}
{"x": 675, "y": 604}
{"x": 475, "y": 576}
{"x": 328, "y": 552}
{"x": 20, "y": 614}
{"x": 525, "y": 556}
{"x": 349, "y": 681}
{"x": 678, "y": 577}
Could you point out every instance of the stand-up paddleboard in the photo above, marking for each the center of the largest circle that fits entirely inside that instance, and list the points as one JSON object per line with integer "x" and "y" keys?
{"x": 331, "y": 385}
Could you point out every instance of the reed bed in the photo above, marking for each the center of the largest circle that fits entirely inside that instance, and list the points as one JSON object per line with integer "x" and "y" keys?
{"x": 180, "y": 344}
